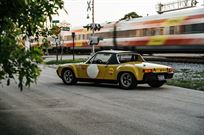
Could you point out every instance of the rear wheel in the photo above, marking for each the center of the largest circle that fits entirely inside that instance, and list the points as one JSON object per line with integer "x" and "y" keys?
{"x": 156, "y": 84}
{"x": 127, "y": 80}
{"x": 68, "y": 77}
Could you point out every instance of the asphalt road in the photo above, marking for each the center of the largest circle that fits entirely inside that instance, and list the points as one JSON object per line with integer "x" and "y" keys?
{"x": 52, "y": 108}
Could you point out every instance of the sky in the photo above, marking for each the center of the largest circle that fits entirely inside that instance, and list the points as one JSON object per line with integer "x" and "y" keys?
{"x": 107, "y": 10}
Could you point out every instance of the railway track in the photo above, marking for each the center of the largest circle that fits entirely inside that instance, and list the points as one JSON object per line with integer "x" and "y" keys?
{"x": 199, "y": 59}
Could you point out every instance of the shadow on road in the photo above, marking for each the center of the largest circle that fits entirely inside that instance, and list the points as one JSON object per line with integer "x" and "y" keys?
{"x": 112, "y": 86}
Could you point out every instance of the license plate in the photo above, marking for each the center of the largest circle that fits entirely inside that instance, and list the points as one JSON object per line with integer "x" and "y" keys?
{"x": 161, "y": 77}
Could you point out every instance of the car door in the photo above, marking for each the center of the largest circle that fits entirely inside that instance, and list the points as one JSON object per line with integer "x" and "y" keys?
{"x": 95, "y": 67}
{"x": 111, "y": 68}
{"x": 110, "y": 72}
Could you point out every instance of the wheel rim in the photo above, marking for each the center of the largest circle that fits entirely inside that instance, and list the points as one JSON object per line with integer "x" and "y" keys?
{"x": 126, "y": 80}
{"x": 68, "y": 76}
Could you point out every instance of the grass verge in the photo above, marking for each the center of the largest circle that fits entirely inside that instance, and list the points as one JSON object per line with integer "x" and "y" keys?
{"x": 188, "y": 79}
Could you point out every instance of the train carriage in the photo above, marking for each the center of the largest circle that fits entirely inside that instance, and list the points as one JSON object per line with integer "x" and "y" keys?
{"x": 181, "y": 31}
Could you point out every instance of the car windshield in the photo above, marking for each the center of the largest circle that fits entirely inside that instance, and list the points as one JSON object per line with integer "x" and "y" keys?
{"x": 122, "y": 58}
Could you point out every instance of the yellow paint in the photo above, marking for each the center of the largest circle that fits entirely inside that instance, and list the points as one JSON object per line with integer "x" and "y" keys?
{"x": 157, "y": 40}
{"x": 111, "y": 71}
{"x": 78, "y": 43}
{"x": 174, "y": 21}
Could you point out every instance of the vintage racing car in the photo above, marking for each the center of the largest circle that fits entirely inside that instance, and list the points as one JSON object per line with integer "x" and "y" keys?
{"x": 123, "y": 67}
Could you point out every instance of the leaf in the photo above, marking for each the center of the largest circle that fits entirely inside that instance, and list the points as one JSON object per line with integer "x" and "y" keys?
{"x": 20, "y": 19}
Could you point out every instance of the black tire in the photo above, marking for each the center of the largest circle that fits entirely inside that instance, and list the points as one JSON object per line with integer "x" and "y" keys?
{"x": 68, "y": 77}
{"x": 127, "y": 80}
{"x": 156, "y": 84}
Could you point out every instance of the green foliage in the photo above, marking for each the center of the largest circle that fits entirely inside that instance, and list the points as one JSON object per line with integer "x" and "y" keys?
{"x": 20, "y": 19}
{"x": 130, "y": 16}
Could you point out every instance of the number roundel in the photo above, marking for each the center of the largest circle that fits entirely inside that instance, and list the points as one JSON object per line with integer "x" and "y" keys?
{"x": 92, "y": 71}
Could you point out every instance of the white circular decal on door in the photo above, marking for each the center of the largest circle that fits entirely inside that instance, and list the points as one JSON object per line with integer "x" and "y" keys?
{"x": 92, "y": 71}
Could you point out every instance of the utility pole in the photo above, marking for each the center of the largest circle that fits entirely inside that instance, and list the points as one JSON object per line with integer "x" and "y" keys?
{"x": 73, "y": 44}
{"x": 93, "y": 26}
{"x": 93, "y": 23}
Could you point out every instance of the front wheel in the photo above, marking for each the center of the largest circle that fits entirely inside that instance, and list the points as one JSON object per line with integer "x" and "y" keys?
{"x": 127, "y": 80}
{"x": 156, "y": 84}
{"x": 68, "y": 77}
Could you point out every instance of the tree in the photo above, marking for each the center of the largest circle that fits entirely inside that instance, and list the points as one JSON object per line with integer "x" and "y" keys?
{"x": 21, "y": 19}
{"x": 130, "y": 16}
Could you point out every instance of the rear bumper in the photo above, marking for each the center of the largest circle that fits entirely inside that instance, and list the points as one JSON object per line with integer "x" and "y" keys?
{"x": 148, "y": 77}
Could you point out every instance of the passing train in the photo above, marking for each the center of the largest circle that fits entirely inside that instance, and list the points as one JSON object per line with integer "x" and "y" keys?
{"x": 181, "y": 31}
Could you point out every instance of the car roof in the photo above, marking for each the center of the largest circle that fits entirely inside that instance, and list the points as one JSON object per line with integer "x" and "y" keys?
{"x": 115, "y": 51}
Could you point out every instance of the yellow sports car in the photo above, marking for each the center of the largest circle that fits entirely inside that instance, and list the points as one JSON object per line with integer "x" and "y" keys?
{"x": 123, "y": 67}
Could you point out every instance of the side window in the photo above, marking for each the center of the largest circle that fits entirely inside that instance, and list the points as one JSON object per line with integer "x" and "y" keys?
{"x": 100, "y": 58}
{"x": 113, "y": 59}
{"x": 129, "y": 58}
{"x": 126, "y": 58}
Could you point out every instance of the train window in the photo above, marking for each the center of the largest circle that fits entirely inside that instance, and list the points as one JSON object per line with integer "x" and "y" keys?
{"x": 120, "y": 34}
{"x": 131, "y": 33}
{"x": 79, "y": 37}
{"x": 109, "y": 35}
{"x": 85, "y": 36}
{"x": 138, "y": 33}
{"x": 153, "y": 32}
{"x": 166, "y": 31}
{"x": 187, "y": 29}
{"x": 159, "y": 31}
{"x": 68, "y": 38}
{"x": 198, "y": 28}
{"x": 144, "y": 32}
{"x": 88, "y": 36}
{"x": 176, "y": 29}
{"x": 65, "y": 37}
{"x": 147, "y": 32}
{"x": 181, "y": 29}
{"x": 128, "y": 33}
{"x": 171, "y": 30}
{"x": 105, "y": 35}
{"x": 192, "y": 28}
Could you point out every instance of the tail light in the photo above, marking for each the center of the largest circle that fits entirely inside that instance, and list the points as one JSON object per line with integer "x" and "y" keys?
{"x": 171, "y": 70}
{"x": 147, "y": 70}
